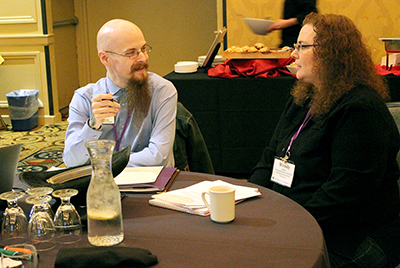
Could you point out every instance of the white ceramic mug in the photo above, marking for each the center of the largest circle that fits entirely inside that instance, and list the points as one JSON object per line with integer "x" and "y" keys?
{"x": 222, "y": 203}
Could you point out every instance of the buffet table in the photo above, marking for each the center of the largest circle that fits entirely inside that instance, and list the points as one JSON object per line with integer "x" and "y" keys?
{"x": 268, "y": 231}
{"x": 237, "y": 116}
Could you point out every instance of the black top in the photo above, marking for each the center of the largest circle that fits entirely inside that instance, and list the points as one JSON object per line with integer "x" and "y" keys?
{"x": 346, "y": 170}
{"x": 295, "y": 9}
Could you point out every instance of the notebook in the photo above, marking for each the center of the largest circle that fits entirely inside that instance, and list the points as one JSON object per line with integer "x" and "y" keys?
{"x": 162, "y": 183}
{"x": 212, "y": 52}
{"x": 9, "y": 157}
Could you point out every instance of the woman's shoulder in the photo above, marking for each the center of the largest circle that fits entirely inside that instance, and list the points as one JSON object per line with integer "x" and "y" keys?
{"x": 362, "y": 101}
{"x": 363, "y": 96}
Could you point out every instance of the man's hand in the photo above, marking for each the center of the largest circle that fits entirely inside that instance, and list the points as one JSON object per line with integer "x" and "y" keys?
{"x": 280, "y": 24}
{"x": 102, "y": 107}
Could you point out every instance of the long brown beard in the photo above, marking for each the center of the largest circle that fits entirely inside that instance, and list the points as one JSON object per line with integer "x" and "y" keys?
{"x": 139, "y": 99}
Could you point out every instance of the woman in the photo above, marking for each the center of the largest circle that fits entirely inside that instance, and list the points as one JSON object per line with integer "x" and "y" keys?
{"x": 334, "y": 148}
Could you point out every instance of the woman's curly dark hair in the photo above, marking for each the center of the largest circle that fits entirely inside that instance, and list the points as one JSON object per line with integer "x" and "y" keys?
{"x": 343, "y": 61}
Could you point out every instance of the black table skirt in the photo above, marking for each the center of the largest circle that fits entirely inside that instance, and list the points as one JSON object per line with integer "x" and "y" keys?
{"x": 237, "y": 116}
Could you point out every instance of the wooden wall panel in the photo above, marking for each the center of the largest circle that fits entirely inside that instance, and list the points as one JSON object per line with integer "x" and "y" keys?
{"x": 20, "y": 17}
{"x": 27, "y": 46}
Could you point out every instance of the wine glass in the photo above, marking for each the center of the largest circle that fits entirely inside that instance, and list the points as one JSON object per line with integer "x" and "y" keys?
{"x": 19, "y": 255}
{"x": 14, "y": 226}
{"x": 67, "y": 220}
{"x": 41, "y": 230}
{"x": 40, "y": 192}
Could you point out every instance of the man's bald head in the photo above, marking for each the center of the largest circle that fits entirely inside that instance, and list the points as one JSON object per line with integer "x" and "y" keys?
{"x": 115, "y": 32}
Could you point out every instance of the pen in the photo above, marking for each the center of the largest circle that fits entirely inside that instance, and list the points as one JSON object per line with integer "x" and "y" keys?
{"x": 23, "y": 250}
{"x": 23, "y": 255}
{"x": 112, "y": 100}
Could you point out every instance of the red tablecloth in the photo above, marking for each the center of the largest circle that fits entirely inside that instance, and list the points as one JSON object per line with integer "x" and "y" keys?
{"x": 382, "y": 70}
{"x": 251, "y": 68}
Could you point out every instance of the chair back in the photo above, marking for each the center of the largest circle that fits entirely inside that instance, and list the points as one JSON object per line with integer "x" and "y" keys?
{"x": 190, "y": 149}
{"x": 9, "y": 157}
{"x": 394, "y": 109}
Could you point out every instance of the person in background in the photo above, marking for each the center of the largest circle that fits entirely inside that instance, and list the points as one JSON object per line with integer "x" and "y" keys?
{"x": 131, "y": 106}
{"x": 334, "y": 148}
{"x": 294, "y": 12}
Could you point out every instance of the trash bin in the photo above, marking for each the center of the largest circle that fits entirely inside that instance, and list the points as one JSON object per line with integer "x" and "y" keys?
{"x": 23, "y": 106}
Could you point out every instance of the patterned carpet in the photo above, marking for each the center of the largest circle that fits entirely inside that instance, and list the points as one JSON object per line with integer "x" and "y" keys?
{"x": 42, "y": 146}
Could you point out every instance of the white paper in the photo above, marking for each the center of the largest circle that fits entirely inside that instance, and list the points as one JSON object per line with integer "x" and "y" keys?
{"x": 54, "y": 168}
{"x": 136, "y": 175}
{"x": 10, "y": 263}
{"x": 191, "y": 196}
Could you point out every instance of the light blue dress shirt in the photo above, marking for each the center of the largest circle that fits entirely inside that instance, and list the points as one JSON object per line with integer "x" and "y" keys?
{"x": 151, "y": 145}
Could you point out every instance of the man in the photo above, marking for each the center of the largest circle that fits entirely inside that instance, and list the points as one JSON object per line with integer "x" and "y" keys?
{"x": 294, "y": 12}
{"x": 131, "y": 106}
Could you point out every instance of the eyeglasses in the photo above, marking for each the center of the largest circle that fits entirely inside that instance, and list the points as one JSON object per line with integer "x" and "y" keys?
{"x": 300, "y": 47}
{"x": 134, "y": 54}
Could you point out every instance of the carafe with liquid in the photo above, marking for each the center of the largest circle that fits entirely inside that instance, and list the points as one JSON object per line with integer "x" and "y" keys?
{"x": 103, "y": 200}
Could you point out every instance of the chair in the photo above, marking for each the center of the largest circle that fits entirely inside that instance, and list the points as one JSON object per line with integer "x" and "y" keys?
{"x": 9, "y": 157}
{"x": 190, "y": 150}
{"x": 394, "y": 109}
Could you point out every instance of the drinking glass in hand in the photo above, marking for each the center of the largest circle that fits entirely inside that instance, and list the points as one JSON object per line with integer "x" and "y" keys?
{"x": 41, "y": 230}
{"x": 14, "y": 226}
{"x": 20, "y": 255}
{"x": 67, "y": 220}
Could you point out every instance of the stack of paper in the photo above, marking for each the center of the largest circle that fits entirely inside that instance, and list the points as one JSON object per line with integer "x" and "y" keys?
{"x": 189, "y": 199}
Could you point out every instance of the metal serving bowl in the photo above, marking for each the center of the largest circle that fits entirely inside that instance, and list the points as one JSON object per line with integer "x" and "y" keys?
{"x": 392, "y": 45}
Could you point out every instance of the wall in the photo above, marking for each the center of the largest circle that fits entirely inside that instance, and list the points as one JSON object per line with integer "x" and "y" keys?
{"x": 65, "y": 48}
{"x": 27, "y": 46}
{"x": 178, "y": 30}
{"x": 374, "y": 18}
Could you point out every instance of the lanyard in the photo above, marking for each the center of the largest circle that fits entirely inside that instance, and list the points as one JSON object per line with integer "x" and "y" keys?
{"x": 303, "y": 125}
{"x": 118, "y": 139}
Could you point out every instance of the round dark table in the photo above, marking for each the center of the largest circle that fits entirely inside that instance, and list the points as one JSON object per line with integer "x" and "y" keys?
{"x": 268, "y": 231}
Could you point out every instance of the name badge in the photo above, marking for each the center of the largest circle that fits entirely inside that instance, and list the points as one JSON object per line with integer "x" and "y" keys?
{"x": 109, "y": 120}
{"x": 283, "y": 172}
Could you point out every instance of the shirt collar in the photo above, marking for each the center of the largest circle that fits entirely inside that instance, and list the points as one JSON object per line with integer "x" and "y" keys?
{"x": 112, "y": 88}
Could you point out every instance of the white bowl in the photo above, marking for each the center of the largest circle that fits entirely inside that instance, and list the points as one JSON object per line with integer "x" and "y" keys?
{"x": 258, "y": 26}
{"x": 291, "y": 69}
{"x": 186, "y": 67}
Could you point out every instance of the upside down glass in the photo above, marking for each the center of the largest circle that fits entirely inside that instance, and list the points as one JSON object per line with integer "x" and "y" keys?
{"x": 67, "y": 220}
{"x": 41, "y": 230}
{"x": 14, "y": 228}
{"x": 103, "y": 199}
{"x": 40, "y": 192}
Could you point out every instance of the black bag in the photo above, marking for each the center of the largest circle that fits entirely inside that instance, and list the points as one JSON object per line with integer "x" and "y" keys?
{"x": 39, "y": 179}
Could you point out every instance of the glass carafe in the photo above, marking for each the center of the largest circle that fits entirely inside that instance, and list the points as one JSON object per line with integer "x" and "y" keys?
{"x": 103, "y": 198}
